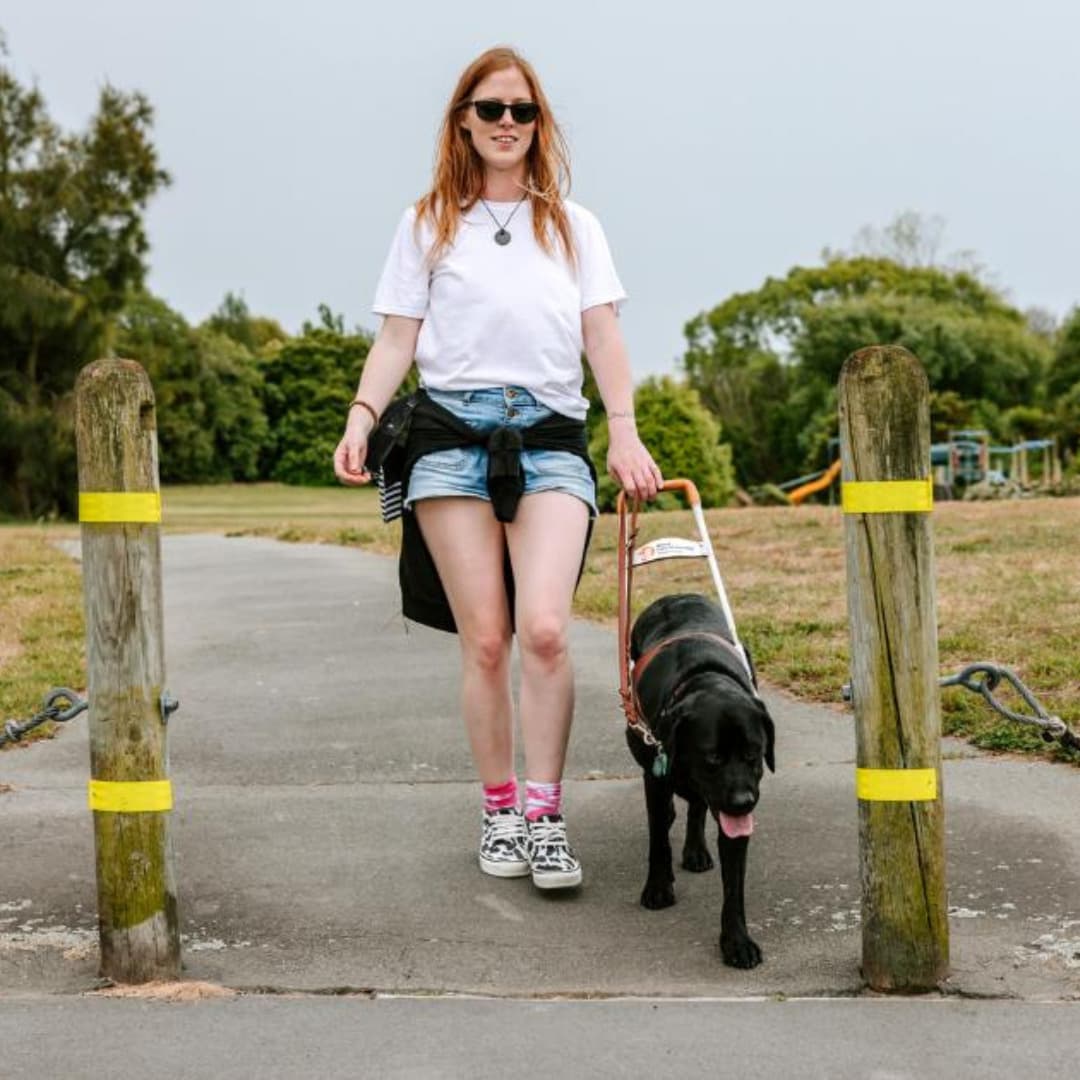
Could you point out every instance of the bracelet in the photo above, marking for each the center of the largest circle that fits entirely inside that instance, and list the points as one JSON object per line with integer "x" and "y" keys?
{"x": 620, "y": 416}
{"x": 364, "y": 405}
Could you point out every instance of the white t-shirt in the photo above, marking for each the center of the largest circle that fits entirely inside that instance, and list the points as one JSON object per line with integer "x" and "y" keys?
{"x": 500, "y": 315}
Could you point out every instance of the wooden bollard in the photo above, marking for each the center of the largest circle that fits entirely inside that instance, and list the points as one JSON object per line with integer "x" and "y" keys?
{"x": 887, "y": 495}
{"x": 130, "y": 792}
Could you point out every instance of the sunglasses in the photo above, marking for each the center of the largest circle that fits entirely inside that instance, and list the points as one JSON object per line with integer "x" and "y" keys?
{"x": 523, "y": 112}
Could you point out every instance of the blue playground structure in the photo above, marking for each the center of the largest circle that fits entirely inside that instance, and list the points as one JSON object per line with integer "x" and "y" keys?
{"x": 968, "y": 458}
{"x": 965, "y": 459}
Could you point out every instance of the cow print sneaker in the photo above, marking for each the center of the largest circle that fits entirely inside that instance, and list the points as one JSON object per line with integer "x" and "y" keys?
{"x": 504, "y": 844}
{"x": 553, "y": 863}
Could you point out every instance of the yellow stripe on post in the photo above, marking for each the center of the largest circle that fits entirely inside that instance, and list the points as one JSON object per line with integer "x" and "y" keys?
{"x": 120, "y": 506}
{"x": 896, "y": 785}
{"x": 131, "y": 796}
{"x": 887, "y": 496}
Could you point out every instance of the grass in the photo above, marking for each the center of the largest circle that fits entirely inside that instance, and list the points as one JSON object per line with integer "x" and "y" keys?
{"x": 1008, "y": 590}
{"x": 41, "y": 623}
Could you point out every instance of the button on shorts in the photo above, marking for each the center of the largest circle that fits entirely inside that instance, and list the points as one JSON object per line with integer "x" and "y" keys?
{"x": 463, "y": 470}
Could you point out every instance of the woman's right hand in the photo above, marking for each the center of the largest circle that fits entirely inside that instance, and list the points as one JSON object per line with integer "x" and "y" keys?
{"x": 351, "y": 452}
{"x": 385, "y": 368}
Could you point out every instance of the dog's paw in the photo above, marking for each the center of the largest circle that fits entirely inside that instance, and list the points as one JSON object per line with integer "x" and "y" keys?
{"x": 657, "y": 895}
{"x": 697, "y": 860}
{"x": 740, "y": 951}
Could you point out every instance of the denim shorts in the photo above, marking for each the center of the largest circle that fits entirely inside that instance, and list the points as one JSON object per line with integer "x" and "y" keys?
{"x": 463, "y": 470}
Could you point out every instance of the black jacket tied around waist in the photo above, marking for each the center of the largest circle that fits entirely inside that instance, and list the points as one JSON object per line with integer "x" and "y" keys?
{"x": 427, "y": 428}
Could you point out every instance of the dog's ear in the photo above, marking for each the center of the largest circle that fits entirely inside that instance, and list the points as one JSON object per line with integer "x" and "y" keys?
{"x": 770, "y": 738}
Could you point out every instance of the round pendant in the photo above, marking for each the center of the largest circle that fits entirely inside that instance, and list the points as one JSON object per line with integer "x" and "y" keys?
{"x": 502, "y": 237}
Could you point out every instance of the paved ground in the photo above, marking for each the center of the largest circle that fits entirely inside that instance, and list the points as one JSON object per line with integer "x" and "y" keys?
{"x": 329, "y": 1038}
{"x": 327, "y": 818}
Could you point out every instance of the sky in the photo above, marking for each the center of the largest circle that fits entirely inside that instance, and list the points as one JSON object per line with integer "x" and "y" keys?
{"x": 719, "y": 143}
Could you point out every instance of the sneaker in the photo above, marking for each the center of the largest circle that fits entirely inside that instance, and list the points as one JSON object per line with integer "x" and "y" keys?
{"x": 553, "y": 863}
{"x": 504, "y": 844}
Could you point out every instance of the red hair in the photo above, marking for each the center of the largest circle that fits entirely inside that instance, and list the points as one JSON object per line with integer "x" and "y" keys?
{"x": 458, "y": 180}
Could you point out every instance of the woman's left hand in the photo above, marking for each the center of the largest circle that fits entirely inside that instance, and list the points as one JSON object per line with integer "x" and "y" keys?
{"x": 631, "y": 465}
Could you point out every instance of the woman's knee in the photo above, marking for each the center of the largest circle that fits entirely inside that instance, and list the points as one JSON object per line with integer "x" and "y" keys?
{"x": 486, "y": 648}
{"x": 543, "y": 636}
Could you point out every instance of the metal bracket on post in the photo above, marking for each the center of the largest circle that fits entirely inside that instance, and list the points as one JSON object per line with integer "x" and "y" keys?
{"x": 169, "y": 705}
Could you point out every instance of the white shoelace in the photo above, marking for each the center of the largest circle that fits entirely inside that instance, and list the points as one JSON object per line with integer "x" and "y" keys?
{"x": 549, "y": 838}
{"x": 503, "y": 827}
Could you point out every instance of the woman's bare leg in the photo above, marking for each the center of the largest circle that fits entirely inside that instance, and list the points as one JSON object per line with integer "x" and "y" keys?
{"x": 546, "y": 539}
{"x": 467, "y": 542}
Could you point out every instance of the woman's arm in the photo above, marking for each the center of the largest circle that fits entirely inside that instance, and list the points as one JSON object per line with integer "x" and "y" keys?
{"x": 628, "y": 461}
{"x": 385, "y": 368}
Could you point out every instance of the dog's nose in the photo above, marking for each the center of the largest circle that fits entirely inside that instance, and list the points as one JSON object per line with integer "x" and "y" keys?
{"x": 742, "y": 802}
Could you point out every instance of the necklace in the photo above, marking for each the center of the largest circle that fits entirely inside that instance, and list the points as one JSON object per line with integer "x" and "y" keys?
{"x": 502, "y": 237}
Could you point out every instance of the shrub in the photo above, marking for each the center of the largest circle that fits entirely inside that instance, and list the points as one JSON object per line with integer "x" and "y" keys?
{"x": 683, "y": 438}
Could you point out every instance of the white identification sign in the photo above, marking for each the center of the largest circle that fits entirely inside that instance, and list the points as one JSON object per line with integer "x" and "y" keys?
{"x": 670, "y": 547}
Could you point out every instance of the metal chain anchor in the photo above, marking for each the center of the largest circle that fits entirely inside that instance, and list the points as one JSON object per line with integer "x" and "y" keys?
{"x": 1053, "y": 727}
{"x": 13, "y": 730}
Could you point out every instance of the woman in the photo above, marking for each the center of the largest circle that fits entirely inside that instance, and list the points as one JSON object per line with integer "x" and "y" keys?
{"x": 495, "y": 283}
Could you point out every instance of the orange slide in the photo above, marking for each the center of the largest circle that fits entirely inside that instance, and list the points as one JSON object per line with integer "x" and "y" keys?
{"x": 820, "y": 484}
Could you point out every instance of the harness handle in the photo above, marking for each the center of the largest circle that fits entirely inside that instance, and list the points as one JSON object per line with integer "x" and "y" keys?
{"x": 628, "y": 527}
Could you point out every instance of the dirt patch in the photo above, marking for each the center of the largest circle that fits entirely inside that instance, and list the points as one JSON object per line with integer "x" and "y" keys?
{"x": 9, "y": 650}
{"x": 168, "y": 991}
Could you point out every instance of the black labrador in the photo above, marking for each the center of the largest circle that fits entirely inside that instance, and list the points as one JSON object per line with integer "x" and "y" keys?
{"x": 695, "y": 695}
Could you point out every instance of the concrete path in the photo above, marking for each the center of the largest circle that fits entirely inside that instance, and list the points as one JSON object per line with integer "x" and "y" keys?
{"x": 286, "y": 1038}
{"x": 327, "y": 818}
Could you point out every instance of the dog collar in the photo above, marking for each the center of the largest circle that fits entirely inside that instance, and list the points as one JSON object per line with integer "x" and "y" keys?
{"x": 647, "y": 658}
{"x": 635, "y": 716}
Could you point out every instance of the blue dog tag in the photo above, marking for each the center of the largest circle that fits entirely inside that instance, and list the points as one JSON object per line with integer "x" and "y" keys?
{"x": 660, "y": 765}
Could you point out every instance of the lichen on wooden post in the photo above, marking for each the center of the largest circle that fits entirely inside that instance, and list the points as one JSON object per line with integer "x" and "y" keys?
{"x": 887, "y": 491}
{"x": 119, "y": 498}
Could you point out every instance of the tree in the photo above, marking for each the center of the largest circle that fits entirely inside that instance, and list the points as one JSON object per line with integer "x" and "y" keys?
{"x": 211, "y": 421}
{"x": 1064, "y": 371}
{"x": 233, "y": 318}
{"x": 72, "y": 246}
{"x": 1023, "y": 422}
{"x": 1067, "y": 412}
{"x": 683, "y": 438}
{"x": 911, "y": 239}
{"x": 329, "y": 320}
{"x": 309, "y": 383}
{"x": 1042, "y": 321}
{"x": 1063, "y": 383}
{"x": 766, "y": 362}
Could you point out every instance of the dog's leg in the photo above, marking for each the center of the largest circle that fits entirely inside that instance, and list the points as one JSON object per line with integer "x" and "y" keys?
{"x": 659, "y": 891}
{"x": 695, "y": 852}
{"x": 736, "y": 946}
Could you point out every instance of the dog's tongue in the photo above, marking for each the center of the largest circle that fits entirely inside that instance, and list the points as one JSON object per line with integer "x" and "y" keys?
{"x": 736, "y": 826}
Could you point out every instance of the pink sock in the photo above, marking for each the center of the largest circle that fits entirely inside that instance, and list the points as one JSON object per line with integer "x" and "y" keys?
{"x": 502, "y": 796}
{"x": 542, "y": 799}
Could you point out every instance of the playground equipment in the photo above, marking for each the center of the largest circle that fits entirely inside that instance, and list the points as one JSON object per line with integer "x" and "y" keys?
{"x": 1016, "y": 465}
{"x": 968, "y": 458}
{"x": 802, "y": 487}
{"x": 965, "y": 459}
{"x": 817, "y": 482}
